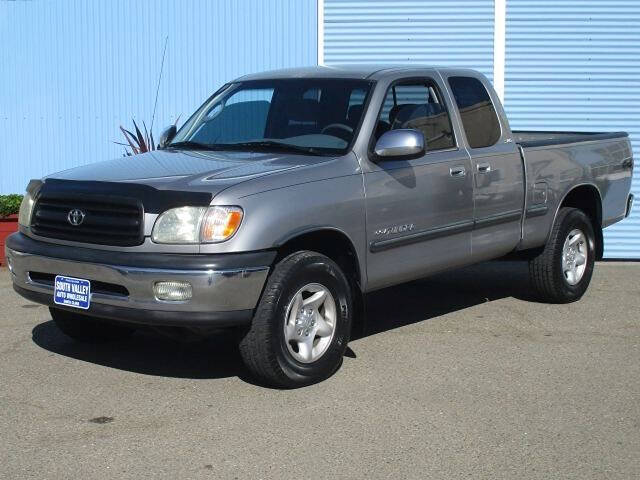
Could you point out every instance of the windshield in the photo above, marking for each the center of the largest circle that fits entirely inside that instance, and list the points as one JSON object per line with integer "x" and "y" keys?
{"x": 317, "y": 116}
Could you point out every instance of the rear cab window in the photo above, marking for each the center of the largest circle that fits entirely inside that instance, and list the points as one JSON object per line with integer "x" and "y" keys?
{"x": 478, "y": 115}
{"x": 417, "y": 104}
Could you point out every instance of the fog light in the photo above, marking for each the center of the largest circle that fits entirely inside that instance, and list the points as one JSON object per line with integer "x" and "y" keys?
{"x": 173, "y": 291}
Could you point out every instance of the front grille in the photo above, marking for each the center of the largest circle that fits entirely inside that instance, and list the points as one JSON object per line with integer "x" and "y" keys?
{"x": 48, "y": 279}
{"x": 107, "y": 220}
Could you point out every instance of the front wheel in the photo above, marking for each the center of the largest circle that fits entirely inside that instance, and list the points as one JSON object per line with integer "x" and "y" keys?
{"x": 302, "y": 324}
{"x": 562, "y": 272}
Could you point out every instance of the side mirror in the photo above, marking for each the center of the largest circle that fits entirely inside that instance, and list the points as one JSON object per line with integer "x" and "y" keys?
{"x": 400, "y": 144}
{"x": 166, "y": 136}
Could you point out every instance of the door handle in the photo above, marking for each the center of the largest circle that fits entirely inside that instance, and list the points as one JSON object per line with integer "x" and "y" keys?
{"x": 458, "y": 171}
{"x": 484, "y": 168}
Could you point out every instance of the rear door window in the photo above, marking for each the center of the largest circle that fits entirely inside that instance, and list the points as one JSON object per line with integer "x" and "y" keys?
{"x": 478, "y": 115}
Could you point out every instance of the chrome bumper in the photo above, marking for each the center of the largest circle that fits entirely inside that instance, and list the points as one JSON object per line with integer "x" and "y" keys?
{"x": 216, "y": 293}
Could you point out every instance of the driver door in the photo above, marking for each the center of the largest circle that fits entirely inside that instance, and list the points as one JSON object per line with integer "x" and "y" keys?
{"x": 420, "y": 210}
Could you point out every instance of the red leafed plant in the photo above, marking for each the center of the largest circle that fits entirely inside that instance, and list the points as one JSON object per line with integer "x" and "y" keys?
{"x": 139, "y": 143}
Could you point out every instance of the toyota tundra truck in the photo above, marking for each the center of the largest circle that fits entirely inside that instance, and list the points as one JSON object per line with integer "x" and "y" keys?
{"x": 288, "y": 195}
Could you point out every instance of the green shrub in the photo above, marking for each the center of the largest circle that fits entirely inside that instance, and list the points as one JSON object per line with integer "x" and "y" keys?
{"x": 9, "y": 204}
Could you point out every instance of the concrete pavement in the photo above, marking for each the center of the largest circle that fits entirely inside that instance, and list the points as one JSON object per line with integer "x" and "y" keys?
{"x": 458, "y": 376}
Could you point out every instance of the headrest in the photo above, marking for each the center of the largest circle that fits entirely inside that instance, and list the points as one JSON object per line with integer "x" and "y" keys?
{"x": 411, "y": 112}
{"x": 393, "y": 113}
{"x": 303, "y": 110}
{"x": 354, "y": 113}
{"x": 400, "y": 113}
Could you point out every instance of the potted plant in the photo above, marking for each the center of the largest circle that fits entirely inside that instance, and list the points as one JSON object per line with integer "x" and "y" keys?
{"x": 9, "y": 207}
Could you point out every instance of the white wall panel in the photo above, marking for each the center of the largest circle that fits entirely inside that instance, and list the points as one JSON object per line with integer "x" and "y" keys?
{"x": 433, "y": 32}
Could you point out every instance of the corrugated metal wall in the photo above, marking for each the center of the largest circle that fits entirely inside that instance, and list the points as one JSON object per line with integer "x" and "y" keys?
{"x": 433, "y": 32}
{"x": 575, "y": 65}
{"x": 72, "y": 71}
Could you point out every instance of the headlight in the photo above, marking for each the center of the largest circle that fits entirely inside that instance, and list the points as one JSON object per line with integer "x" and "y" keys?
{"x": 197, "y": 225}
{"x": 178, "y": 225}
{"x": 26, "y": 208}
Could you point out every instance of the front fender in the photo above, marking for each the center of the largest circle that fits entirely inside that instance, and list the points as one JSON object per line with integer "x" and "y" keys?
{"x": 272, "y": 217}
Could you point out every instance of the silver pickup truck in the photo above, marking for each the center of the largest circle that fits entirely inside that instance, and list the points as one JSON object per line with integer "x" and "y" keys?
{"x": 290, "y": 194}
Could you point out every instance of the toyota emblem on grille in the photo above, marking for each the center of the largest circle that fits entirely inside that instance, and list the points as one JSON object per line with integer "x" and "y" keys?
{"x": 75, "y": 217}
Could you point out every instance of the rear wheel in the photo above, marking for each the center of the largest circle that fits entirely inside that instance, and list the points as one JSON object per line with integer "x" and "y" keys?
{"x": 84, "y": 328}
{"x": 562, "y": 271}
{"x": 302, "y": 324}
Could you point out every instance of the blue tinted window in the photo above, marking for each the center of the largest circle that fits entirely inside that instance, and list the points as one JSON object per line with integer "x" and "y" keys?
{"x": 320, "y": 115}
{"x": 478, "y": 115}
{"x": 417, "y": 106}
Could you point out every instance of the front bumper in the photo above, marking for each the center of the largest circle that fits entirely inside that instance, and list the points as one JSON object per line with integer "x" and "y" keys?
{"x": 226, "y": 287}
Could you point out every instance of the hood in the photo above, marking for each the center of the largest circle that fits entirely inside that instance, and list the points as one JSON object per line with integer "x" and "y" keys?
{"x": 188, "y": 170}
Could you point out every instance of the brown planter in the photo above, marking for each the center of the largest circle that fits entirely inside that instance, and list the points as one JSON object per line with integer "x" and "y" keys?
{"x": 8, "y": 225}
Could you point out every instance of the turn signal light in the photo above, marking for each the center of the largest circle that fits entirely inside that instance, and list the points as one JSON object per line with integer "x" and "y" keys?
{"x": 220, "y": 223}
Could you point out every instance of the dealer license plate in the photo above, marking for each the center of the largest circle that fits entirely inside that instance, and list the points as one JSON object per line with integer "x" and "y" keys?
{"x": 72, "y": 292}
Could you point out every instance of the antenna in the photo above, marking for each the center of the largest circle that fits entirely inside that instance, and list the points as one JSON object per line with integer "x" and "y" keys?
{"x": 166, "y": 39}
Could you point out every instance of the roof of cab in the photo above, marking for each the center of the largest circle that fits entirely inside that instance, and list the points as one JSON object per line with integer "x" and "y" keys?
{"x": 357, "y": 71}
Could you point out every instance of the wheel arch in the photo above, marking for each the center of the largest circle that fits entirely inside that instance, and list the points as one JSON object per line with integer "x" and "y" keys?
{"x": 586, "y": 197}
{"x": 329, "y": 241}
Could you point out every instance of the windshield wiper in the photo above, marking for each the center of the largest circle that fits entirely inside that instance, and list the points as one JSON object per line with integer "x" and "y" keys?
{"x": 189, "y": 145}
{"x": 262, "y": 145}
{"x": 272, "y": 145}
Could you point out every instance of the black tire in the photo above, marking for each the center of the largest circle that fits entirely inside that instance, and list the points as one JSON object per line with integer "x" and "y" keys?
{"x": 86, "y": 329}
{"x": 263, "y": 347}
{"x": 546, "y": 272}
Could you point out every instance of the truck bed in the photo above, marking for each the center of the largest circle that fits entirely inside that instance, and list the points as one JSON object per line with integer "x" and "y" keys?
{"x": 557, "y": 162}
{"x": 533, "y": 138}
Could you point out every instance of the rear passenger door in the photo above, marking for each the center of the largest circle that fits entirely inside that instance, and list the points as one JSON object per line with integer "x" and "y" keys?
{"x": 498, "y": 175}
{"x": 419, "y": 211}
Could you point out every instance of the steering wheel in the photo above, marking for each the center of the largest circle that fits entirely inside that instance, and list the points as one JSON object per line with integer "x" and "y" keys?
{"x": 343, "y": 131}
